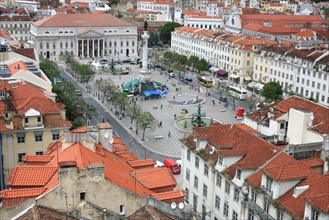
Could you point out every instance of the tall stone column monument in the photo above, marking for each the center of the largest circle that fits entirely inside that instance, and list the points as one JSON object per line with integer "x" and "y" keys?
{"x": 145, "y": 73}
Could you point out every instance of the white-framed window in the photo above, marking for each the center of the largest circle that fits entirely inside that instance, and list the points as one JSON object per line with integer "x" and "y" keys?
{"x": 55, "y": 135}
{"x": 205, "y": 190}
{"x": 266, "y": 205}
{"x": 238, "y": 173}
{"x": 226, "y": 209}
{"x": 314, "y": 214}
{"x": 196, "y": 162}
{"x": 38, "y": 136}
{"x": 280, "y": 214}
{"x": 20, "y": 138}
{"x": 253, "y": 196}
{"x": 217, "y": 202}
{"x": 82, "y": 196}
{"x": 187, "y": 174}
{"x": 234, "y": 215}
{"x": 220, "y": 160}
{"x": 269, "y": 182}
{"x": 187, "y": 195}
{"x": 250, "y": 214}
{"x": 122, "y": 210}
{"x": 236, "y": 194}
{"x": 206, "y": 170}
{"x": 196, "y": 182}
{"x": 188, "y": 155}
{"x": 218, "y": 180}
{"x": 227, "y": 187}
{"x": 20, "y": 156}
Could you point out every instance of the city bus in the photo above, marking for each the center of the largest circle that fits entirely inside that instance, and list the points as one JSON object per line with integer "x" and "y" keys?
{"x": 237, "y": 92}
{"x": 205, "y": 81}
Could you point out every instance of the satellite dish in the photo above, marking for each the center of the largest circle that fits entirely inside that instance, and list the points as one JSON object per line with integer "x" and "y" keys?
{"x": 173, "y": 205}
{"x": 106, "y": 135}
{"x": 181, "y": 205}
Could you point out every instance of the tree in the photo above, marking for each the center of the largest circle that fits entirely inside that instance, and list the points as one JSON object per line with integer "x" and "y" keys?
{"x": 272, "y": 91}
{"x": 153, "y": 40}
{"x": 146, "y": 120}
{"x": 192, "y": 61}
{"x": 105, "y": 86}
{"x": 86, "y": 72}
{"x": 251, "y": 101}
{"x": 120, "y": 99}
{"x": 221, "y": 88}
{"x": 202, "y": 65}
{"x": 133, "y": 112}
{"x": 165, "y": 33}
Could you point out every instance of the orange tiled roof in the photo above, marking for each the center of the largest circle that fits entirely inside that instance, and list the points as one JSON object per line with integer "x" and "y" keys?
{"x": 312, "y": 162}
{"x": 29, "y": 176}
{"x": 37, "y": 158}
{"x": 18, "y": 193}
{"x": 305, "y": 33}
{"x": 190, "y": 12}
{"x": 141, "y": 163}
{"x": 169, "y": 195}
{"x": 153, "y": 178}
{"x": 81, "y": 20}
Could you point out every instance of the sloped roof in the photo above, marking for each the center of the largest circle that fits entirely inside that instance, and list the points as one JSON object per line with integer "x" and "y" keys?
{"x": 169, "y": 195}
{"x": 81, "y": 20}
{"x": 141, "y": 163}
{"x": 18, "y": 193}
{"x": 37, "y": 158}
{"x": 155, "y": 177}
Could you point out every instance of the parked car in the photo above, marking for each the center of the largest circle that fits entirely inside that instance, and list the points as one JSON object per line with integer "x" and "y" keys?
{"x": 223, "y": 99}
{"x": 172, "y": 165}
{"x": 158, "y": 164}
{"x": 189, "y": 79}
{"x": 133, "y": 62}
{"x": 127, "y": 60}
{"x": 172, "y": 75}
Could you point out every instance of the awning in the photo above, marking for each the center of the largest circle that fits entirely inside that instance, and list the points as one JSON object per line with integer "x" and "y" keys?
{"x": 221, "y": 72}
{"x": 247, "y": 78}
{"x": 234, "y": 76}
{"x": 214, "y": 69}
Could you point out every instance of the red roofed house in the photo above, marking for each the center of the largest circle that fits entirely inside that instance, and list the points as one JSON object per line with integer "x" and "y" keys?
{"x": 85, "y": 176}
{"x": 281, "y": 119}
{"x": 285, "y": 188}
{"x": 216, "y": 160}
{"x": 29, "y": 121}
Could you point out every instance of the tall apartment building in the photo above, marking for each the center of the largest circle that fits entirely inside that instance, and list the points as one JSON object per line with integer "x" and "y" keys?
{"x": 164, "y": 7}
{"x": 216, "y": 160}
{"x": 18, "y": 25}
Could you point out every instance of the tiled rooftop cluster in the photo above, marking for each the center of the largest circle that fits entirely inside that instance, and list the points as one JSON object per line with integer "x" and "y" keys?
{"x": 40, "y": 173}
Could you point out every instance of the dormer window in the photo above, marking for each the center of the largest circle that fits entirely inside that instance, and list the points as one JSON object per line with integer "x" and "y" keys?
{"x": 26, "y": 120}
{"x": 39, "y": 119}
{"x": 220, "y": 160}
{"x": 6, "y": 115}
{"x": 2, "y": 94}
{"x": 314, "y": 214}
{"x": 269, "y": 182}
{"x": 238, "y": 174}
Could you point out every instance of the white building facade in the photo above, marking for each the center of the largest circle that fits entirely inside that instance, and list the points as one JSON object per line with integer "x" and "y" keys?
{"x": 86, "y": 36}
{"x": 18, "y": 25}
{"x": 166, "y": 8}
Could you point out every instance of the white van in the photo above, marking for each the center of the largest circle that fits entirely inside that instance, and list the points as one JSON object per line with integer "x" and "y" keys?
{"x": 172, "y": 75}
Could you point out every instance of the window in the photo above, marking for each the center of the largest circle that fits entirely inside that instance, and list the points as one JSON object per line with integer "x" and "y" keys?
{"x": 26, "y": 120}
{"x": 236, "y": 194}
{"x": 206, "y": 170}
{"x": 20, "y": 156}
{"x": 253, "y": 196}
{"x": 55, "y": 135}
{"x": 196, "y": 182}
{"x": 217, "y": 202}
{"x": 314, "y": 214}
{"x": 20, "y": 138}
{"x": 280, "y": 214}
{"x": 268, "y": 183}
{"x": 39, "y": 152}
{"x": 220, "y": 160}
{"x": 219, "y": 180}
{"x": 204, "y": 212}
{"x": 282, "y": 126}
{"x": 188, "y": 155}
{"x": 225, "y": 211}
{"x": 250, "y": 214}
{"x": 82, "y": 196}
{"x": 227, "y": 187}
{"x": 187, "y": 195}
{"x": 38, "y": 136}
{"x": 39, "y": 119}
{"x": 195, "y": 202}
{"x": 122, "y": 209}
{"x": 205, "y": 190}
{"x": 187, "y": 174}
{"x": 266, "y": 205}
{"x": 238, "y": 173}
{"x": 234, "y": 215}
{"x": 196, "y": 162}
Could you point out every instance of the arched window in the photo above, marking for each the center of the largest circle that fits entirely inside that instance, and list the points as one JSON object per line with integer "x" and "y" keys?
{"x": 127, "y": 43}
{"x": 71, "y": 44}
{"x": 61, "y": 45}
{"x": 66, "y": 44}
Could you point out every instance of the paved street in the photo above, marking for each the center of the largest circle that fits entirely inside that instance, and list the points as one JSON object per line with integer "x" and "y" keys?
{"x": 157, "y": 140}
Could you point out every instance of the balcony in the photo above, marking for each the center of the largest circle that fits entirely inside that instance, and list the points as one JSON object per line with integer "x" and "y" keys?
{"x": 29, "y": 126}
{"x": 266, "y": 191}
{"x": 258, "y": 210}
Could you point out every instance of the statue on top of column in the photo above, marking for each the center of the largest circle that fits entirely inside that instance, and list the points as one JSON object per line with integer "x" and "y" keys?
{"x": 145, "y": 25}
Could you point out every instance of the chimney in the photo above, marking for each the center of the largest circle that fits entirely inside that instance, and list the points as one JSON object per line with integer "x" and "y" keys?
{"x": 105, "y": 135}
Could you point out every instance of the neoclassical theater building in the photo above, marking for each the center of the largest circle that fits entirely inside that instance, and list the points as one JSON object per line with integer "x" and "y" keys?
{"x": 87, "y": 36}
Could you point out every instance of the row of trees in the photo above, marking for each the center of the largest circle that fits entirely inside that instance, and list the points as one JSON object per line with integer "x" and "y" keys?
{"x": 180, "y": 62}
{"x": 67, "y": 94}
{"x": 125, "y": 106}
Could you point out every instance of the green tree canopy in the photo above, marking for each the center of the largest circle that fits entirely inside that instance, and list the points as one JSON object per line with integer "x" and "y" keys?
{"x": 153, "y": 40}
{"x": 202, "y": 65}
{"x": 192, "y": 60}
{"x": 146, "y": 120}
{"x": 272, "y": 91}
{"x": 166, "y": 30}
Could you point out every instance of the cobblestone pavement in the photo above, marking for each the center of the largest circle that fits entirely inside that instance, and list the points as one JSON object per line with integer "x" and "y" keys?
{"x": 158, "y": 140}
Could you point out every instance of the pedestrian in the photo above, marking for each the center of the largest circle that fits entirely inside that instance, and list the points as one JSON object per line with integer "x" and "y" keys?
{"x": 175, "y": 116}
{"x": 174, "y": 98}
{"x": 160, "y": 124}
{"x": 119, "y": 77}
{"x": 161, "y": 106}
{"x": 169, "y": 134}
{"x": 213, "y": 102}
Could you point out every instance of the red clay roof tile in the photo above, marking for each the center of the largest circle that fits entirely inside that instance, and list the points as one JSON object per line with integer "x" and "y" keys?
{"x": 141, "y": 163}
{"x": 153, "y": 178}
{"x": 18, "y": 193}
{"x": 169, "y": 195}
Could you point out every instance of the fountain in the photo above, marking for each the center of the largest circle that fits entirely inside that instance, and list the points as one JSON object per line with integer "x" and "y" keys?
{"x": 198, "y": 119}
